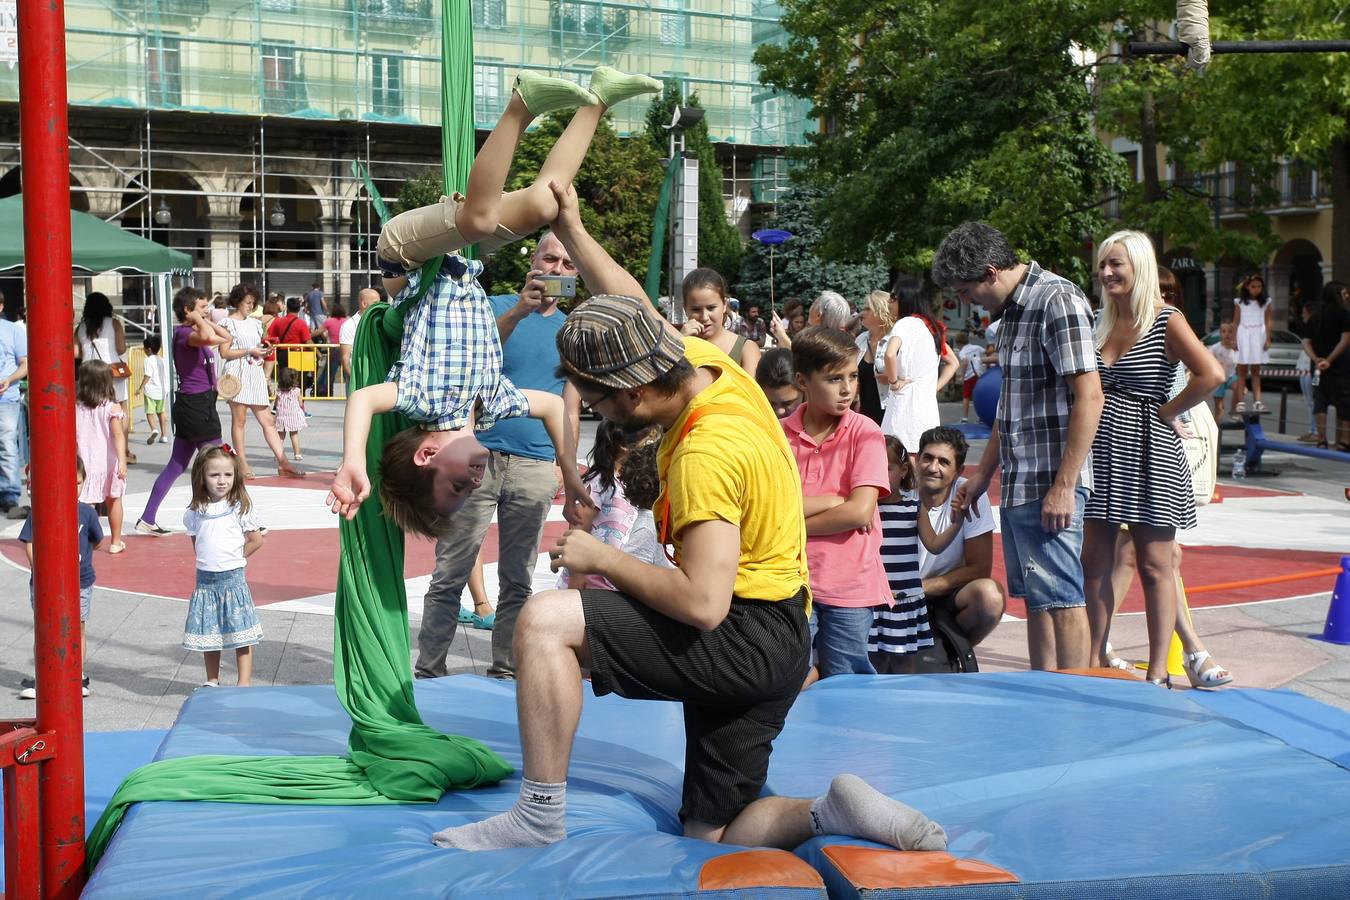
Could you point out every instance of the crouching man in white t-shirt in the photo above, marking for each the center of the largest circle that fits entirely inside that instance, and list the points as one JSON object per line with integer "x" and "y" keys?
{"x": 957, "y": 580}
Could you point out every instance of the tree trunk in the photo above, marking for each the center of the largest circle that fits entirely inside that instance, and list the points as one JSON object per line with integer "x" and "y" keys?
{"x": 1148, "y": 153}
{"x": 1340, "y": 208}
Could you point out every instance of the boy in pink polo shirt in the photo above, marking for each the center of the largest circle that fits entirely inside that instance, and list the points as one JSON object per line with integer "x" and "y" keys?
{"x": 842, "y": 459}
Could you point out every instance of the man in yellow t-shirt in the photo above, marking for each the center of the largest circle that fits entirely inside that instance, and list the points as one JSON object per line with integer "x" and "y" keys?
{"x": 724, "y": 632}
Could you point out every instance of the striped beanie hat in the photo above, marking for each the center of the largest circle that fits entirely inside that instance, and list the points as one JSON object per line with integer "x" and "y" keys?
{"x": 621, "y": 342}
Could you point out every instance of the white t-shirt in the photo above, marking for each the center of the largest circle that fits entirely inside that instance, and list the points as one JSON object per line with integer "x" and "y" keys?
{"x": 1227, "y": 357}
{"x": 954, "y": 556}
{"x": 156, "y": 371}
{"x": 347, "y": 333}
{"x": 219, "y": 533}
{"x": 972, "y": 361}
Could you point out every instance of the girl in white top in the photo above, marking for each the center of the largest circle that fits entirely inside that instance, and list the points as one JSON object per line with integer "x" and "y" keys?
{"x": 911, "y": 361}
{"x": 225, "y": 531}
{"x": 1255, "y": 327}
{"x": 100, "y": 336}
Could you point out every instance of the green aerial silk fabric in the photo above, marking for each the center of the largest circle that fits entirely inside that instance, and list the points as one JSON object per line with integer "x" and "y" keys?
{"x": 393, "y": 757}
{"x": 659, "y": 222}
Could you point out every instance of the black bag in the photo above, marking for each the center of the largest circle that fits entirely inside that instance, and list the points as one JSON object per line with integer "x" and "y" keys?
{"x": 951, "y": 651}
{"x": 195, "y": 418}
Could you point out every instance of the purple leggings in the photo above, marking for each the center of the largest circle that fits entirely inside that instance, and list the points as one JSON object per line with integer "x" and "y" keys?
{"x": 177, "y": 465}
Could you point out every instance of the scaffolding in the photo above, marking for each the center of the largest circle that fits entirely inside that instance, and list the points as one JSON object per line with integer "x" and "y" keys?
{"x": 379, "y": 60}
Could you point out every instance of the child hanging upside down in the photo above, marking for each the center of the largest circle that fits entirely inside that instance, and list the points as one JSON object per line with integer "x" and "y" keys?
{"x": 448, "y": 378}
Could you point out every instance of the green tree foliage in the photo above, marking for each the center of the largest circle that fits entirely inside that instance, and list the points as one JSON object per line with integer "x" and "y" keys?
{"x": 423, "y": 190}
{"x": 719, "y": 243}
{"x": 617, "y": 186}
{"x": 799, "y": 272}
{"x": 947, "y": 110}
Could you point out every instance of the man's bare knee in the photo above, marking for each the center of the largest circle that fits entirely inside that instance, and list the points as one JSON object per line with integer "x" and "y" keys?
{"x": 550, "y": 617}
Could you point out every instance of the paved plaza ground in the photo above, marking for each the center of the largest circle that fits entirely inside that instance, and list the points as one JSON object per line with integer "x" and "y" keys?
{"x": 1295, "y": 523}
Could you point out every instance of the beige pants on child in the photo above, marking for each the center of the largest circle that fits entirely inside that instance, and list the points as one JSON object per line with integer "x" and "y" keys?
{"x": 413, "y": 237}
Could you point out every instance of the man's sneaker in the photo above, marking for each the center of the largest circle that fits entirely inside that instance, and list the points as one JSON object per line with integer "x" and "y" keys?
{"x": 145, "y": 527}
{"x": 84, "y": 686}
{"x": 28, "y": 689}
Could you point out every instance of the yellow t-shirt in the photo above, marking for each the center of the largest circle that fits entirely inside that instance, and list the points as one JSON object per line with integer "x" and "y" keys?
{"x": 738, "y": 468}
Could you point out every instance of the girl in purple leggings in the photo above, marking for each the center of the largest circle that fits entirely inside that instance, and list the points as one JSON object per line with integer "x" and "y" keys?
{"x": 196, "y": 423}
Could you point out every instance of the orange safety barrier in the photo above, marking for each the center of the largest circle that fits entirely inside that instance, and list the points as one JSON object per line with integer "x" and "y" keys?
{"x": 1257, "y": 582}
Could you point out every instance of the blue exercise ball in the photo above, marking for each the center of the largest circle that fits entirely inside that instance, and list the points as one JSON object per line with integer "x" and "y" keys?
{"x": 986, "y": 395}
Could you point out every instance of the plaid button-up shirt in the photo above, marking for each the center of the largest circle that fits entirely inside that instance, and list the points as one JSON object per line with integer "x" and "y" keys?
{"x": 1044, "y": 335}
{"x": 451, "y": 356}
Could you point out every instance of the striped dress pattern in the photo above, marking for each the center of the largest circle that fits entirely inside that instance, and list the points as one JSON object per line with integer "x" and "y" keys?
{"x": 902, "y": 628}
{"x": 1139, "y": 469}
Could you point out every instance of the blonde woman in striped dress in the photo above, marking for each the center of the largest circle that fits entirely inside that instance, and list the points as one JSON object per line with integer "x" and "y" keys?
{"x": 1140, "y": 476}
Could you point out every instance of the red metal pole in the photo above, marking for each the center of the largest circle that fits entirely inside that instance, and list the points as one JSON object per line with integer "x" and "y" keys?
{"x": 51, "y": 376}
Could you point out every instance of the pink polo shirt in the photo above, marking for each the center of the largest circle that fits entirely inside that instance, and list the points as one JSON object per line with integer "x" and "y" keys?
{"x": 845, "y": 568}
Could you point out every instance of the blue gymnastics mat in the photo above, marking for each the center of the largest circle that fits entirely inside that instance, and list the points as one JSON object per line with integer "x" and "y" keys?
{"x": 1049, "y": 785}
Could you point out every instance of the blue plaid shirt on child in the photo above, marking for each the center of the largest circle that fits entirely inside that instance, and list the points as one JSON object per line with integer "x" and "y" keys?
{"x": 451, "y": 356}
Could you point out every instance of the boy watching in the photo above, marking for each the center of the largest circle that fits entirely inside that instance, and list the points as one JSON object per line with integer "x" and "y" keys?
{"x": 1225, "y": 351}
{"x": 448, "y": 378}
{"x": 91, "y": 539}
{"x": 841, "y": 456}
{"x": 972, "y": 367}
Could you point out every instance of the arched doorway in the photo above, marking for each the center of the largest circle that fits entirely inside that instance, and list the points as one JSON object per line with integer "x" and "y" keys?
{"x": 1296, "y": 276}
{"x": 279, "y": 235}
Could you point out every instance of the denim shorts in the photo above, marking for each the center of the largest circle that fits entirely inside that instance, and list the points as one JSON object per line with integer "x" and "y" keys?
{"x": 85, "y": 594}
{"x": 1044, "y": 569}
{"x": 1223, "y": 389}
{"x": 839, "y": 637}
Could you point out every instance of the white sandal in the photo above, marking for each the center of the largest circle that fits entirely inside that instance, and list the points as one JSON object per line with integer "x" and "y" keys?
{"x": 1115, "y": 662}
{"x": 1200, "y": 677}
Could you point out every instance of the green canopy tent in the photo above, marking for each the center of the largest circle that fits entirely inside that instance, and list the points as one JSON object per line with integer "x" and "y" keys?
{"x": 98, "y": 246}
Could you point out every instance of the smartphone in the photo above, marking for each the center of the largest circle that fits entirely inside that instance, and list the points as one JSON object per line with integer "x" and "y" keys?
{"x": 559, "y": 285}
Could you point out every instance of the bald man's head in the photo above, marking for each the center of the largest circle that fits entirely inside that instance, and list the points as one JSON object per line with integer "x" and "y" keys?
{"x": 367, "y": 298}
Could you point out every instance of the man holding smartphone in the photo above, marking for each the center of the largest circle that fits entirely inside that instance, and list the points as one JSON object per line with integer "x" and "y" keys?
{"x": 519, "y": 484}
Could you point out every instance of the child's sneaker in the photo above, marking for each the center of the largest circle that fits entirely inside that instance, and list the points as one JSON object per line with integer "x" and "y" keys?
{"x": 28, "y": 689}
{"x": 84, "y": 686}
{"x": 163, "y": 438}
{"x": 145, "y": 527}
{"x": 154, "y": 436}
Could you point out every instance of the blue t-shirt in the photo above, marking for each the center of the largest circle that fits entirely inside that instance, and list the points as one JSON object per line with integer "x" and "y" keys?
{"x": 91, "y": 533}
{"x": 315, "y": 298}
{"x": 14, "y": 347}
{"x": 530, "y": 361}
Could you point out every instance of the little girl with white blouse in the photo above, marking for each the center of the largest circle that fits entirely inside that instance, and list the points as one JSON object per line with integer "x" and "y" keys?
{"x": 225, "y": 531}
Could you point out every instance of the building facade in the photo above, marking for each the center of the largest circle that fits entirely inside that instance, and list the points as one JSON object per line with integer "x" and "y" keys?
{"x": 229, "y": 128}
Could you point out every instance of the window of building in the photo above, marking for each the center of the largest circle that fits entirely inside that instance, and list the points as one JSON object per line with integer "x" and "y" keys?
{"x": 277, "y": 5}
{"x": 283, "y": 88}
{"x": 767, "y": 120}
{"x": 488, "y": 98}
{"x": 163, "y": 76}
{"x": 386, "y": 85}
{"x": 674, "y": 30}
{"x": 489, "y": 13}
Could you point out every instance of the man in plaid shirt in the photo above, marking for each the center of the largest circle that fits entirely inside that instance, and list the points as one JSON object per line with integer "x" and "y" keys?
{"x": 1048, "y": 409}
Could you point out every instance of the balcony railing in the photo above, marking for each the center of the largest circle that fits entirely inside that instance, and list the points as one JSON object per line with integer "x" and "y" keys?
{"x": 577, "y": 24}
{"x": 1294, "y": 186}
{"x": 393, "y": 9}
{"x": 195, "y": 8}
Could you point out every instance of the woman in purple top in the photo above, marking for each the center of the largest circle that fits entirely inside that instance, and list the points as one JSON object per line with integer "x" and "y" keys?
{"x": 196, "y": 423}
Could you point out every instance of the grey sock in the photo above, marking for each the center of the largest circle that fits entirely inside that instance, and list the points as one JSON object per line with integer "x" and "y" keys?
{"x": 536, "y": 819}
{"x": 854, "y": 808}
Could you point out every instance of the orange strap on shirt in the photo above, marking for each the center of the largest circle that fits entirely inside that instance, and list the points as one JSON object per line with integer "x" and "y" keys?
{"x": 713, "y": 408}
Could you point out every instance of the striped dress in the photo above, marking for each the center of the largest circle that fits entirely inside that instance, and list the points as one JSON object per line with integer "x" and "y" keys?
{"x": 1139, "y": 469}
{"x": 902, "y": 628}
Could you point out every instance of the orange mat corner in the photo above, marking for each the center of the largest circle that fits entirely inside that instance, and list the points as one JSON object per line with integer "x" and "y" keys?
{"x": 871, "y": 868}
{"x": 748, "y": 869}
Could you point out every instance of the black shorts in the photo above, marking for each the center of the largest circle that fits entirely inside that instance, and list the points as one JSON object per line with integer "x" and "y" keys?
{"x": 737, "y": 683}
{"x": 195, "y": 418}
{"x": 1333, "y": 390}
